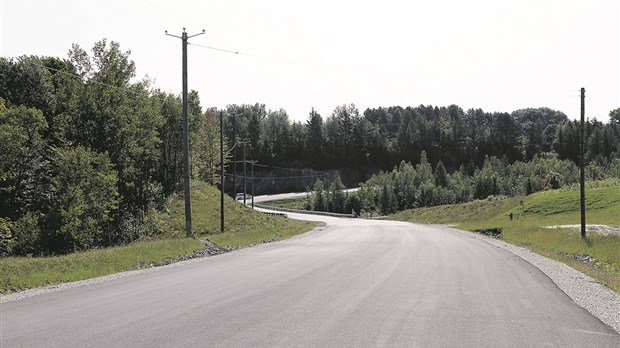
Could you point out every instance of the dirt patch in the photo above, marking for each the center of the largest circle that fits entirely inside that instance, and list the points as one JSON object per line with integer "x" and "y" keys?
{"x": 603, "y": 230}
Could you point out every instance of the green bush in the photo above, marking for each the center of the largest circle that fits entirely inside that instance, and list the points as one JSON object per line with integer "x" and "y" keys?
{"x": 26, "y": 235}
{"x": 6, "y": 238}
{"x": 84, "y": 201}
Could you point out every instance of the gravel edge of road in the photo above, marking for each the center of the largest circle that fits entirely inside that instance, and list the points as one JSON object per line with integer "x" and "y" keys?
{"x": 585, "y": 291}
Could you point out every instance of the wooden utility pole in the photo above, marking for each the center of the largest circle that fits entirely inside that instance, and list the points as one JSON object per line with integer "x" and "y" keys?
{"x": 186, "y": 174}
{"x": 252, "y": 183}
{"x": 582, "y": 177}
{"x": 222, "y": 178}
{"x": 235, "y": 156}
{"x": 245, "y": 177}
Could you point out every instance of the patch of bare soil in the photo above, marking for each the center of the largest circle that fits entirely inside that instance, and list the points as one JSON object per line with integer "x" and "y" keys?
{"x": 603, "y": 230}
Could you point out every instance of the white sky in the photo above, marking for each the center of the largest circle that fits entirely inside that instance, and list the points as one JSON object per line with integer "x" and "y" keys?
{"x": 499, "y": 55}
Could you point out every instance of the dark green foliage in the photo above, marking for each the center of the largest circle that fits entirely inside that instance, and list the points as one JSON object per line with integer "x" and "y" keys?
{"x": 26, "y": 235}
{"x": 330, "y": 196}
{"x": 381, "y": 138}
{"x": 87, "y": 154}
{"x": 441, "y": 176}
{"x": 337, "y": 196}
{"x": 387, "y": 200}
{"x": 84, "y": 201}
{"x": 26, "y": 82}
{"x": 614, "y": 116}
{"x": 318, "y": 201}
{"x": 538, "y": 129}
{"x": 23, "y": 161}
{"x": 486, "y": 180}
{"x": 6, "y": 238}
{"x": 406, "y": 187}
{"x": 353, "y": 204}
{"x": 314, "y": 138}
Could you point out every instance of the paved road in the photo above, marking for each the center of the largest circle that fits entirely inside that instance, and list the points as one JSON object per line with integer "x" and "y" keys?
{"x": 352, "y": 283}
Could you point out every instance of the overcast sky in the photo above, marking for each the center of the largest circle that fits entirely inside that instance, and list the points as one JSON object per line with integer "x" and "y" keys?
{"x": 498, "y": 55}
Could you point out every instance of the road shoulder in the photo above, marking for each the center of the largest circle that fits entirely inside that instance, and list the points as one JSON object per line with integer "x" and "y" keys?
{"x": 587, "y": 292}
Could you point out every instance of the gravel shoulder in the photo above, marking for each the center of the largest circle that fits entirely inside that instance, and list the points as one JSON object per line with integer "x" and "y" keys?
{"x": 587, "y": 292}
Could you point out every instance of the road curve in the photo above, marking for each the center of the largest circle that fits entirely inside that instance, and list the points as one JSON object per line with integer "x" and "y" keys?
{"x": 351, "y": 283}
{"x": 292, "y": 195}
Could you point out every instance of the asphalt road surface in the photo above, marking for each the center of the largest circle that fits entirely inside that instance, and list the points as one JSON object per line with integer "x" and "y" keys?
{"x": 354, "y": 283}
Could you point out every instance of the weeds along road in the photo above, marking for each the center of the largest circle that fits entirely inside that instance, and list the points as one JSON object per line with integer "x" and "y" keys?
{"x": 351, "y": 283}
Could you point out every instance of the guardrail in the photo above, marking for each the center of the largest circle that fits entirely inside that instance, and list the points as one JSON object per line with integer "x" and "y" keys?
{"x": 273, "y": 214}
{"x": 310, "y": 212}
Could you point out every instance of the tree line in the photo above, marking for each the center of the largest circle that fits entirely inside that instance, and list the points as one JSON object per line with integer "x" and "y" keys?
{"x": 381, "y": 138}
{"x": 87, "y": 154}
{"x": 431, "y": 155}
{"x": 409, "y": 186}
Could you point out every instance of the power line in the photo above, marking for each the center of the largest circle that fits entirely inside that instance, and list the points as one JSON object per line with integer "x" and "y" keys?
{"x": 293, "y": 169}
{"x": 278, "y": 177}
{"x": 324, "y": 66}
{"x": 528, "y": 87}
{"x": 222, "y": 50}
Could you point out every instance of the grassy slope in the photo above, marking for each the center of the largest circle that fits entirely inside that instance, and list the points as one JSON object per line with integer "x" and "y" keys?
{"x": 543, "y": 209}
{"x": 299, "y": 203}
{"x": 243, "y": 227}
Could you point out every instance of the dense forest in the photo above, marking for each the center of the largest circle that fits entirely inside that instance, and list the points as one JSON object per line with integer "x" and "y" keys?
{"x": 381, "y": 138}
{"x": 88, "y": 153}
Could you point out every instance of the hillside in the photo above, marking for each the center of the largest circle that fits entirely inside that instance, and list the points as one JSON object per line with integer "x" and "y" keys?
{"x": 243, "y": 226}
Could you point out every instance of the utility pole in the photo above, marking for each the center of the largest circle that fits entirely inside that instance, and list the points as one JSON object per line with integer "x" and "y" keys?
{"x": 252, "y": 183}
{"x": 222, "y": 178}
{"x": 188, "y": 206}
{"x": 582, "y": 177}
{"x": 235, "y": 156}
{"x": 245, "y": 176}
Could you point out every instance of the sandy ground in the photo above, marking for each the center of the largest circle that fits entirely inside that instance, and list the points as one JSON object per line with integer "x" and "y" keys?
{"x": 604, "y": 230}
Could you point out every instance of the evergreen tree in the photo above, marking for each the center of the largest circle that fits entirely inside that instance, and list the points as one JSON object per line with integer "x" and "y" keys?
{"x": 441, "y": 176}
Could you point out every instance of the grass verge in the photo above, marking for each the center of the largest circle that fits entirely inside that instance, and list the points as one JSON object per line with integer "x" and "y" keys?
{"x": 20, "y": 273}
{"x": 531, "y": 215}
{"x": 298, "y": 203}
{"x": 244, "y": 226}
